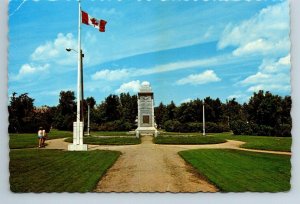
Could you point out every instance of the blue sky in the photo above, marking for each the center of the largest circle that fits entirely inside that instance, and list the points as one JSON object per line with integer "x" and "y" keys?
{"x": 185, "y": 49}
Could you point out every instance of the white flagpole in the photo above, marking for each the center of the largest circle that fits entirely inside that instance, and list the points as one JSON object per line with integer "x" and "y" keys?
{"x": 203, "y": 120}
{"x": 78, "y": 125}
{"x": 78, "y": 74}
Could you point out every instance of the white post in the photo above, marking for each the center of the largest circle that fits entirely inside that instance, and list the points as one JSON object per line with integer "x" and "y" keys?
{"x": 78, "y": 127}
{"x": 88, "y": 122}
{"x": 203, "y": 120}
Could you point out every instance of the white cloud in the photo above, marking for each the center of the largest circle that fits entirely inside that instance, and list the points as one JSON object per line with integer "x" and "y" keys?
{"x": 278, "y": 82}
{"x": 271, "y": 66}
{"x": 55, "y": 51}
{"x": 29, "y": 70}
{"x": 111, "y": 75}
{"x": 132, "y": 86}
{"x": 241, "y": 97}
{"x": 117, "y": 74}
{"x": 285, "y": 60}
{"x": 256, "y": 78}
{"x": 186, "y": 100}
{"x": 202, "y": 78}
{"x": 263, "y": 47}
{"x": 266, "y": 33}
{"x": 269, "y": 87}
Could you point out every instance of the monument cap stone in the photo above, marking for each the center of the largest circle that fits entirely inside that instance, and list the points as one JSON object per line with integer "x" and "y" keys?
{"x": 145, "y": 87}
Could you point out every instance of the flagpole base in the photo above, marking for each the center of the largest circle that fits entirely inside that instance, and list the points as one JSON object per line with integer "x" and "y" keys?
{"x": 75, "y": 147}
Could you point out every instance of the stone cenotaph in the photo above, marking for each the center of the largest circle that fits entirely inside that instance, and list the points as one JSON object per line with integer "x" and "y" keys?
{"x": 146, "y": 124}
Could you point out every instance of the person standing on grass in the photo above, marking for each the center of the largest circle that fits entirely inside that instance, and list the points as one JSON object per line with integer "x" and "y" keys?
{"x": 41, "y": 135}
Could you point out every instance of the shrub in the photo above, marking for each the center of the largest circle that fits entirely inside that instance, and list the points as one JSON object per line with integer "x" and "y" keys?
{"x": 214, "y": 127}
{"x": 172, "y": 126}
{"x": 117, "y": 125}
{"x": 194, "y": 127}
{"x": 265, "y": 130}
{"x": 176, "y": 126}
{"x": 284, "y": 130}
{"x": 240, "y": 127}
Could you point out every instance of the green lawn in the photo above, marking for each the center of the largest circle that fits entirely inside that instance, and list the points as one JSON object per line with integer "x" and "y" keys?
{"x": 109, "y": 133}
{"x": 260, "y": 142}
{"x": 28, "y": 140}
{"x": 109, "y": 140}
{"x": 240, "y": 171}
{"x": 188, "y": 140}
{"x": 163, "y": 133}
{"x": 35, "y": 170}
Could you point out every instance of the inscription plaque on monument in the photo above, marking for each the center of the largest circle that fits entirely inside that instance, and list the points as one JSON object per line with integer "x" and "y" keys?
{"x": 145, "y": 118}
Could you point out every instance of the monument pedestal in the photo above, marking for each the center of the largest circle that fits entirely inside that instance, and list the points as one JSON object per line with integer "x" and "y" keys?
{"x": 75, "y": 147}
{"x": 145, "y": 131}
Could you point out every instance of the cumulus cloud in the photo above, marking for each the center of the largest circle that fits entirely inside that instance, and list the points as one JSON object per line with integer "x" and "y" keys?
{"x": 27, "y": 70}
{"x": 111, "y": 75}
{"x": 202, "y": 78}
{"x": 272, "y": 76}
{"x": 132, "y": 86}
{"x": 267, "y": 81}
{"x": 55, "y": 51}
{"x": 266, "y": 33}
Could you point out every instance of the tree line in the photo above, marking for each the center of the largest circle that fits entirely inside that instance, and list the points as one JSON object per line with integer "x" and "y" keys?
{"x": 264, "y": 114}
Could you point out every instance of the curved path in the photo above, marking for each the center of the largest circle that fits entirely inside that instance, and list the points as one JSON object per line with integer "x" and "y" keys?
{"x": 149, "y": 167}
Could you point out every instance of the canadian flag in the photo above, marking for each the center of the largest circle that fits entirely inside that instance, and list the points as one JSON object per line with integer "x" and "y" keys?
{"x": 89, "y": 20}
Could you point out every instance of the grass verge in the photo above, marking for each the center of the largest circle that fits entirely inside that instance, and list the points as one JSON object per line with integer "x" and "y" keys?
{"x": 187, "y": 140}
{"x": 240, "y": 171}
{"x": 29, "y": 140}
{"x": 260, "y": 142}
{"x": 109, "y": 140}
{"x": 34, "y": 170}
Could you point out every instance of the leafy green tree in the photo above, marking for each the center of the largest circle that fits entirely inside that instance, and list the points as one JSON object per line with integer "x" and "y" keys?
{"x": 286, "y": 106}
{"x": 90, "y": 101}
{"x": 21, "y": 113}
{"x": 66, "y": 111}
{"x": 128, "y": 107}
{"x": 171, "y": 111}
{"x": 112, "y": 108}
{"x": 264, "y": 109}
{"x": 160, "y": 113}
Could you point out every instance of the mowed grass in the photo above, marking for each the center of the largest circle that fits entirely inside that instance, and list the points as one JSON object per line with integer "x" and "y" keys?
{"x": 35, "y": 170}
{"x": 108, "y": 140}
{"x": 260, "y": 142}
{"x": 163, "y": 133}
{"x": 29, "y": 140}
{"x": 188, "y": 140}
{"x": 109, "y": 133}
{"x": 240, "y": 171}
